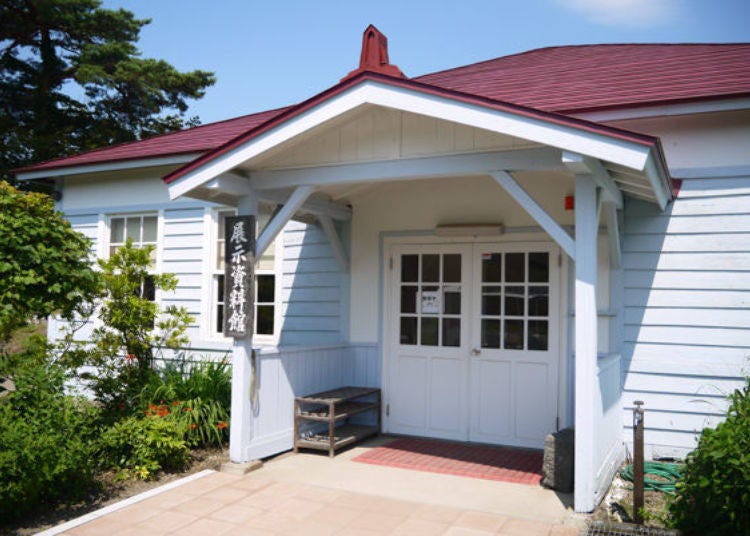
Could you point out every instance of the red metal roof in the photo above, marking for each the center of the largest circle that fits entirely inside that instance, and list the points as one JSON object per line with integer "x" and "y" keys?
{"x": 589, "y": 77}
{"x": 558, "y": 79}
{"x": 192, "y": 140}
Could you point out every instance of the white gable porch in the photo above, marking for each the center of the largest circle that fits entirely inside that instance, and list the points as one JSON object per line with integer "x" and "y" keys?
{"x": 394, "y": 166}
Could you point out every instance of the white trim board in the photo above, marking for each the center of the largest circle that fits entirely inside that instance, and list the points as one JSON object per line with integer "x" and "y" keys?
{"x": 108, "y": 166}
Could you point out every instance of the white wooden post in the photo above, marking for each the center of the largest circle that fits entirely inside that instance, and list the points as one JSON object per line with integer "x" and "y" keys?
{"x": 587, "y": 225}
{"x": 241, "y": 430}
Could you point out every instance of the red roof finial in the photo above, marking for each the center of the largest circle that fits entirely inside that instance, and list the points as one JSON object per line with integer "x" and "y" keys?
{"x": 374, "y": 56}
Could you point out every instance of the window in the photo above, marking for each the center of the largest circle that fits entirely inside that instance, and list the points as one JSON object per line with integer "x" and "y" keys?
{"x": 265, "y": 279}
{"x": 430, "y": 308}
{"x": 515, "y": 301}
{"x": 140, "y": 228}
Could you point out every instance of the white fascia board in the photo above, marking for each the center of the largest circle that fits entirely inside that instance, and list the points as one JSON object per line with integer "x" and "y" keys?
{"x": 538, "y": 159}
{"x": 108, "y": 166}
{"x": 565, "y": 137}
{"x": 665, "y": 110}
{"x": 658, "y": 182}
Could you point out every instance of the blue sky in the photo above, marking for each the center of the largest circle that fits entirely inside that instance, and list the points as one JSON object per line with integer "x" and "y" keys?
{"x": 268, "y": 54}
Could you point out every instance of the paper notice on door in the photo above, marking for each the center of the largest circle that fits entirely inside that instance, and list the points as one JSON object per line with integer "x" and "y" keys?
{"x": 430, "y": 302}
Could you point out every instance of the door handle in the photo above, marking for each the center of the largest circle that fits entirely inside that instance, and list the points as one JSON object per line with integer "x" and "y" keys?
{"x": 476, "y": 351}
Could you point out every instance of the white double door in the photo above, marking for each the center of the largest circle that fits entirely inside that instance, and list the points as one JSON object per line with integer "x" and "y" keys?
{"x": 474, "y": 342}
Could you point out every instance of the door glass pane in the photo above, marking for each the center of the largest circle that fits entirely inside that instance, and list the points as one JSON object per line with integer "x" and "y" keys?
{"x": 514, "y": 268}
{"x": 149, "y": 229}
{"x": 514, "y": 301}
{"x": 539, "y": 301}
{"x": 429, "y": 331}
{"x": 451, "y": 332}
{"x": 513, "y": 335}
{"x": 538, "y": 330}
{"x": 117, "y": 230}
{"x": 408, "y": 299}
{"x": 452, "y": 268}
{"x": 491, "y": 301}
{"x": 452, "y": 300}
{"x": 490, "y": 333}
{"x": 430, "y": 300}
{"x": 538, "y": 267}
{"x": 133, "y": 229}
{"x": 408, "y": 333}
{"x": 409, "y": 268}
{"x": 430, "y": 268}
{"x": 491, "y": 267}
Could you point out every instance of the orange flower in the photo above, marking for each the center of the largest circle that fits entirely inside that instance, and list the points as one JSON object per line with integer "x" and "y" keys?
{"x": 193, "y": 426}
{"x": 151, "y": 407}
{"x": 222, "y": 425}
{"x": 175, "y": 403}
{"x": 187, "y": 409}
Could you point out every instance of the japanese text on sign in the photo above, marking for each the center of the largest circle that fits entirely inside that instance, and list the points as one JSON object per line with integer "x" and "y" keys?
{"x": 239, "y": 248}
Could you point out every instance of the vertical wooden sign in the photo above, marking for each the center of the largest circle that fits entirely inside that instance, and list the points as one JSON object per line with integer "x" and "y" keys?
{"x": 239, "y": 273}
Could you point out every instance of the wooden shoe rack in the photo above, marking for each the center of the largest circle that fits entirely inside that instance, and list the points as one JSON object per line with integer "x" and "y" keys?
{"x": 335, "y": 407}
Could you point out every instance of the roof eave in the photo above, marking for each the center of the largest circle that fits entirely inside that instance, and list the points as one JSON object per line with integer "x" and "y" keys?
{"x": 34, "y": 173}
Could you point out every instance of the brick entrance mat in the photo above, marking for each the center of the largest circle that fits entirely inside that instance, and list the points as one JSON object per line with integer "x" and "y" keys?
{"x": 462, "y": 459}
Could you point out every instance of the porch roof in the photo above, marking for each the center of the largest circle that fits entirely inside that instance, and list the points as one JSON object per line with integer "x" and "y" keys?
{"x": 634, "y": 161}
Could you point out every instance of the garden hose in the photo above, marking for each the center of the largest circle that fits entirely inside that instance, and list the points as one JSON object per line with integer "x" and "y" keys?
{"x": 668, "y": 474}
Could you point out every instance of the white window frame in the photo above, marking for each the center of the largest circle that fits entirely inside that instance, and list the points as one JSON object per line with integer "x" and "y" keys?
{"x": 212, "y": 273}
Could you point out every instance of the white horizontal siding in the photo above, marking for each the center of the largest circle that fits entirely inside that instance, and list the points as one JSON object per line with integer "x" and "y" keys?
{"x": 687, "y": 309}
{"x": 88, "y": 226}
{"x": 688, "y": 261}
{"x": 182, "y": 253}
{"x": 697, "y": 206}
{"x": 311, "y": 288}
{"x": 635, "y": 297}
{"x": 690, "y": 317}
{"x": 683, "y": 359}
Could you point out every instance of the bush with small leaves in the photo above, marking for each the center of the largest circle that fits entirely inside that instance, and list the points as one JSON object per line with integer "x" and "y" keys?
{"x": 138, "y": 447}
{"x": 47, "y": 439}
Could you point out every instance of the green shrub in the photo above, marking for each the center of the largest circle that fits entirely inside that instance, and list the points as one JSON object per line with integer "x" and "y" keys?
{"x": 121, "y": 348}
{"x": 714, "y": 493}
{"x": 207, "y": 380}
{"x": 197, "y": 396}
{"x": 138, "y": 447}
{"x": 47, "y": 441}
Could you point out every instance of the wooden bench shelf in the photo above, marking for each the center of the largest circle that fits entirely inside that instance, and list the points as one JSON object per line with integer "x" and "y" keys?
{"x": 335, "y": 407}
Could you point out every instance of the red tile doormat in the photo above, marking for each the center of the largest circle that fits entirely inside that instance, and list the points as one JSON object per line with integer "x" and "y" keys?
{"x": 462, "y": 459}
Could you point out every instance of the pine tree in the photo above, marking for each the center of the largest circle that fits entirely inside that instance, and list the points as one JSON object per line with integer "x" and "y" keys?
{"x": 52, "y": 51}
